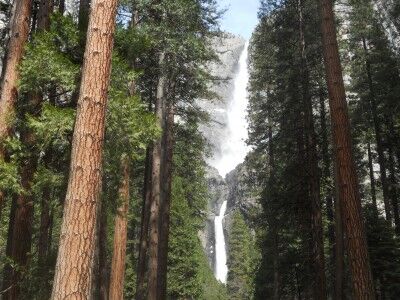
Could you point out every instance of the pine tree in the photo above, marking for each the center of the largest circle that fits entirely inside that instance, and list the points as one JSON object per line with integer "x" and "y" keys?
{"x": 75, "y": 255}
{"x": 347, "y": 177}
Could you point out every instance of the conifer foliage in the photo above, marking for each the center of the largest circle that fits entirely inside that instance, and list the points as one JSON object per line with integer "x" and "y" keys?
{"x": 103, "y": 166}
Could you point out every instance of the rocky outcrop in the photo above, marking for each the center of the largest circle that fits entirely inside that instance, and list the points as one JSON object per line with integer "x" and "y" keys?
{"x": 218, "y": 193}
{"x": 237, "y": 190}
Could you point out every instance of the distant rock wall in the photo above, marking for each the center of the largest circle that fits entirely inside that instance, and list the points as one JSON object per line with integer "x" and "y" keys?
{"x": 239, "y": 194}
{"x": 228, "y": 47}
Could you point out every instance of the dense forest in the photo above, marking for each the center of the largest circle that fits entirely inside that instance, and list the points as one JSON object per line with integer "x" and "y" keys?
{"x": 104, "y": 184}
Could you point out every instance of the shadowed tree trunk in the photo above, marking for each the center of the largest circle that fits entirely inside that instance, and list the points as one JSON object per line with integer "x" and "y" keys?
{"x": 378, "y": 137}
{"x": 339, "y": 293}
{"x": 7, "y": 283}
{"x": 120, "y": 236}
{"x": 73, "y": 272}
{"x": 19, "y": 33}
{"x": 23, "y": 227}
{"x": 372, "y": 177}
{"x": 156, "y": 191}
{"x": 327, "y": 176}
{"x": 15, "y": 51}
{"x": 144, "y": 230}
{"x": 313, "y": 170}
{"x": 349, "y": 197}
{"x": 167, "y": 165}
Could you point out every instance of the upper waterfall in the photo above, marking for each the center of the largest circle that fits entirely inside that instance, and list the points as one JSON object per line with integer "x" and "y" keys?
{"x": 234, "y": 148}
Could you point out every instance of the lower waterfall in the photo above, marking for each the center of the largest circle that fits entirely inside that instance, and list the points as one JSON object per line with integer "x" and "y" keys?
{"x": 221, "y": 270}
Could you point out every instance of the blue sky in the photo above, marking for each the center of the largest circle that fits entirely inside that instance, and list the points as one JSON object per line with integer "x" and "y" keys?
{"x": 241, "y": 17}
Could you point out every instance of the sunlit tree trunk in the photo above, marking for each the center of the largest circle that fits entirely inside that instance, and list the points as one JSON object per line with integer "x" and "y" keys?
{"x": 73, "y": 273}
{"x": 120, "y": 236}
{"x": 349, "y": 197}
{"x": 19, "y": 33}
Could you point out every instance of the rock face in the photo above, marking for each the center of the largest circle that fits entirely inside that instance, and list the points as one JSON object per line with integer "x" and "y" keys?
{"x": 236, "y": 190}
{"x": 228, "y": 47}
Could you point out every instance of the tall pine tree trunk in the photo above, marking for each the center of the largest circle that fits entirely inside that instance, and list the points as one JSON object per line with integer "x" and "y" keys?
{"x": 312, "y": 166}
{"x": 372, "y": 177}
{"x": 327, "y": 176}
{"x": 154, "y": 221}
{"x": 339, "y": 293}
{"x": 117, "y": 277}
{"x": 168, "y": 145}
{"x": 392, "y": 177}
{"x": 19, "y": 33}
{"x": 274, "y": 220}
{"x": 349, "y": 197}
{"x": 378, "y": 136}
{"x": 144, "y": 228}
{"x": 20, "y": 23}
{"x": 23, "y": 227}
{"x": 73, "y": 273}
{"x": 7, "y": 283}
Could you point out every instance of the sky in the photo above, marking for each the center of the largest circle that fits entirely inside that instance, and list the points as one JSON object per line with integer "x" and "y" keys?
{"x": 241, "y": 17}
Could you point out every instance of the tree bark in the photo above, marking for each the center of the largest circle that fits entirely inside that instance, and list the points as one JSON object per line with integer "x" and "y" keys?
{"x": 327, "y": 176}
{"x": 120, "y": 236}
{"x": 372, "y": 177}
{"x": 7, "y": 283}
{"x": 152, "y": 290}
{"x": 392, "y": 177}
{"x": 349, "y": 197}
{"x": 43, "y": 243}
{"x": 274, "y": 220}
{"x": 144, "y": 230}
{"x": 23, "y": 227}
{"x": 339, "y": 293}
{"x": 73, "y": 272}
{"x": 378, "y": 136}
{"x": 167, "y": 165}
{"x": 313, "y": 170}
{"x": 44, "y": 12}
{"x": 103, "y": 276}
{"x": 19, "y": 33}
{"x": 83, "y": 17}
{"x": 18, "y": 37}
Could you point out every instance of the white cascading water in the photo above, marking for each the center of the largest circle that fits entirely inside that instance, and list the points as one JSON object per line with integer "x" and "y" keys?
{"x": 221, "y": 270}
{"x": 234, "y": 152}
{"x": 234, "y": 149}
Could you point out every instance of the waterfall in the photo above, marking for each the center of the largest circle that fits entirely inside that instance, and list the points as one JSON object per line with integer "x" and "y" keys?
{"x": 234, "y": 151}
{"x": 234, "y": 148}
{"x": 221, "y": 270}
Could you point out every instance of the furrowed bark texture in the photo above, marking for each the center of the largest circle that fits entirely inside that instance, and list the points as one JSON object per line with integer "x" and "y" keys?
{"x": 349, "y": 196}
{"x": 120, "y": 237}
{"x": 73, "y": 274}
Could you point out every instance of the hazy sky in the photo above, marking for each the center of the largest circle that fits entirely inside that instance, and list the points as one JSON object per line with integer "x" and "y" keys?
{"x": 241, "y": 17}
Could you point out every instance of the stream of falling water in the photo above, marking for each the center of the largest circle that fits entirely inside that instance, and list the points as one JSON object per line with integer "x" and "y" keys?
{"x": 234, "y": 151}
